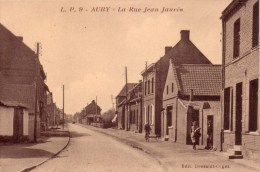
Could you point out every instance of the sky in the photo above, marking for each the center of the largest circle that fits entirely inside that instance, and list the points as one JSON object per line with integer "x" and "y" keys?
{"x": 86, "y": 48}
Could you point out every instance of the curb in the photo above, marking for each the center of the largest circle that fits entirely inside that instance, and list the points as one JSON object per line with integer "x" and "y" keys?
{"x": 131, "y": 143}
{"x": 53, "y": 156}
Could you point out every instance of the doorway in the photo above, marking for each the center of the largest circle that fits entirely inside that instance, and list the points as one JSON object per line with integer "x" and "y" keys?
{"x": 192, "y": 115}
{"x": 18, "y": 125}
{"x": 169, "y": 119}
{"x": 238, "y": 137}
{"x": 210, "y": 129}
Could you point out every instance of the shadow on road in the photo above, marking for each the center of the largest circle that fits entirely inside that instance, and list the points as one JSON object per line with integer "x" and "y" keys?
{"x": 22, "y": 152}
{"x": 76, "y": 134}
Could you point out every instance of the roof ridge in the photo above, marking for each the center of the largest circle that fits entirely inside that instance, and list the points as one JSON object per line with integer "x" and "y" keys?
{"x": 16, "y": 37}
{"x": 200, "y": 64}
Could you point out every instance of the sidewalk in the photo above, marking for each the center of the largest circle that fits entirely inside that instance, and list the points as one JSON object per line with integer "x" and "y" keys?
{"x": 180, "y": 157}
{"x": 22, "y": 157}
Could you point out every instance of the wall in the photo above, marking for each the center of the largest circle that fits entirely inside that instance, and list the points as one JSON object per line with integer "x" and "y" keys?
{"x": 216, "y": 113}
{"x": 6, "y": 121}
{"x": 181, "y": 123}
{"x": 25, "y": 122}
{"x": 242, "y": 69}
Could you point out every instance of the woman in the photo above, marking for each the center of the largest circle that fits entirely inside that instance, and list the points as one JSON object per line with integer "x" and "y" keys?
{"x": 194, "y": 133}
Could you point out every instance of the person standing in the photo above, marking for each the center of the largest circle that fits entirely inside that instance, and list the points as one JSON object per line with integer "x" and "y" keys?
{"x": 209, "y": 135}
{"x": 147, "y": 129}
{"x": 195, "y": 134}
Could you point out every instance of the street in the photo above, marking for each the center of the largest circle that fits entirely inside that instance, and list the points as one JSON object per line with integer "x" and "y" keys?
{"x": 92, "y": 151}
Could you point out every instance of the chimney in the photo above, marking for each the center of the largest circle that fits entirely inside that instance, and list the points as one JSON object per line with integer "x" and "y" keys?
{"x": 191, "y": 94}
{"x": 167, "y": 49}
{"x": 185, "y": 35}
{"x": 20, "y": 38}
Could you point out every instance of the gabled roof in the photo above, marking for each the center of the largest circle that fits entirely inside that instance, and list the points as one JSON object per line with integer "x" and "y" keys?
{"x": 17, "y": 95}
{"x": 93, "y": 108}
{"x": 12, "y": 46}
{"x": 122, "y": 93}
{"x": 203, "y": 79}
{"x": 185, "y": 52}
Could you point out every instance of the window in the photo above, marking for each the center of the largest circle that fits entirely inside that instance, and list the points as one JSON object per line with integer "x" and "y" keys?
{"x": 172, "y": 87}
{"x": 152, "y": 85}
{"x": 255, "y": 36}
{"x": 148, "y": 114}
{"x": 145, "y": 87}
{"x": 149, "y": 87}
{"x": 253, "y": 102}
{"x": 133, "y": 121}
{"x": 228, "y": 109}
{"x": 167, "y": 90}
{"x": 236, "y": 46}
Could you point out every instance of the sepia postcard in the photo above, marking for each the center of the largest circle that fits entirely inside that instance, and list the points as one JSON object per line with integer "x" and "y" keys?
{"x": 129, "y": 85}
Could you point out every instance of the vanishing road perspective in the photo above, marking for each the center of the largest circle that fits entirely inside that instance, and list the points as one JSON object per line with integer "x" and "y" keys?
{"x": 91, "y": 151}
{"x": 96, "y": 149}
{"x": 136, "y": 86}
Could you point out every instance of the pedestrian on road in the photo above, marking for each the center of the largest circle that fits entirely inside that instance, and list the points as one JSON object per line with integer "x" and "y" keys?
{"x": 147, "y": 129}
{"x": 209, "y": 135}
{"x": 195, "y": 134}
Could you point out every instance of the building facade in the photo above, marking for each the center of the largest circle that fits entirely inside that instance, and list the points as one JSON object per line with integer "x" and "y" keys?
{"x": 121, "y": 107}
{"x": 191, "y": 93}
{"x": 20, "y": 66}
{"x": 240, "y": 63}
{"x": 154, "y": 77}
{"x": 135, "y": 107}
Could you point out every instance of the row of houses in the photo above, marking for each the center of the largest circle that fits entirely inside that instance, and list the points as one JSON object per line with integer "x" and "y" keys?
{"x": 24, "y": 109}
{"x": 184, "y": 86}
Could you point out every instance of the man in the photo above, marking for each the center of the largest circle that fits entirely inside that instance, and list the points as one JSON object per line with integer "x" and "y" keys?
{"x": 210, "y": 135}
{"x": 147, "y": 129}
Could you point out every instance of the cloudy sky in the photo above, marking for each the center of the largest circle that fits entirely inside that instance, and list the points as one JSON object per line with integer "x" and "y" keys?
{"x": 87, "y": 50}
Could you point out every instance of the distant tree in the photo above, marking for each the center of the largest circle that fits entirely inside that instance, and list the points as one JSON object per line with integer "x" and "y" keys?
{"x": 108, "y": 115}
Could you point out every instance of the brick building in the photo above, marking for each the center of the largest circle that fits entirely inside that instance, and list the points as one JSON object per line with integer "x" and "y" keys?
{"x": 191, "y": 93}
{"x": 21, "y": 66}
{"x": 154, "y": 77}
{"x": 91, "y": 113}
{"x": 240, "y": 61}
{"x": 121, "y": 106}
{"x": 134, "y": 104}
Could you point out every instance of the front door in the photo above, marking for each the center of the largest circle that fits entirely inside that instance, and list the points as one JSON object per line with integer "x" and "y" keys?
{"x": 238, "y": 114}
{"x": 192, "y": 115}
{"x": 169, "y": 119}
{"x": 17, "y": 125}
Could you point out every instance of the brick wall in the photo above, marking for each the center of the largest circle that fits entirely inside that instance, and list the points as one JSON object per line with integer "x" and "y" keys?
{"x": 251, "y": 146}
{"x": 181, "y": 124}
{"x": 241, "y": 69}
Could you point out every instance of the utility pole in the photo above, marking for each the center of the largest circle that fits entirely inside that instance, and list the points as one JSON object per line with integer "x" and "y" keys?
{"x": 86, "y": 109}
{"x": 96, "y": 110}
{"x": 145, "y": 87}
{"x": 112, "y": 101}
{"x": 63, "y": 108}
{"x": 126, "y": 91}
{"x": 36, "y": 92}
